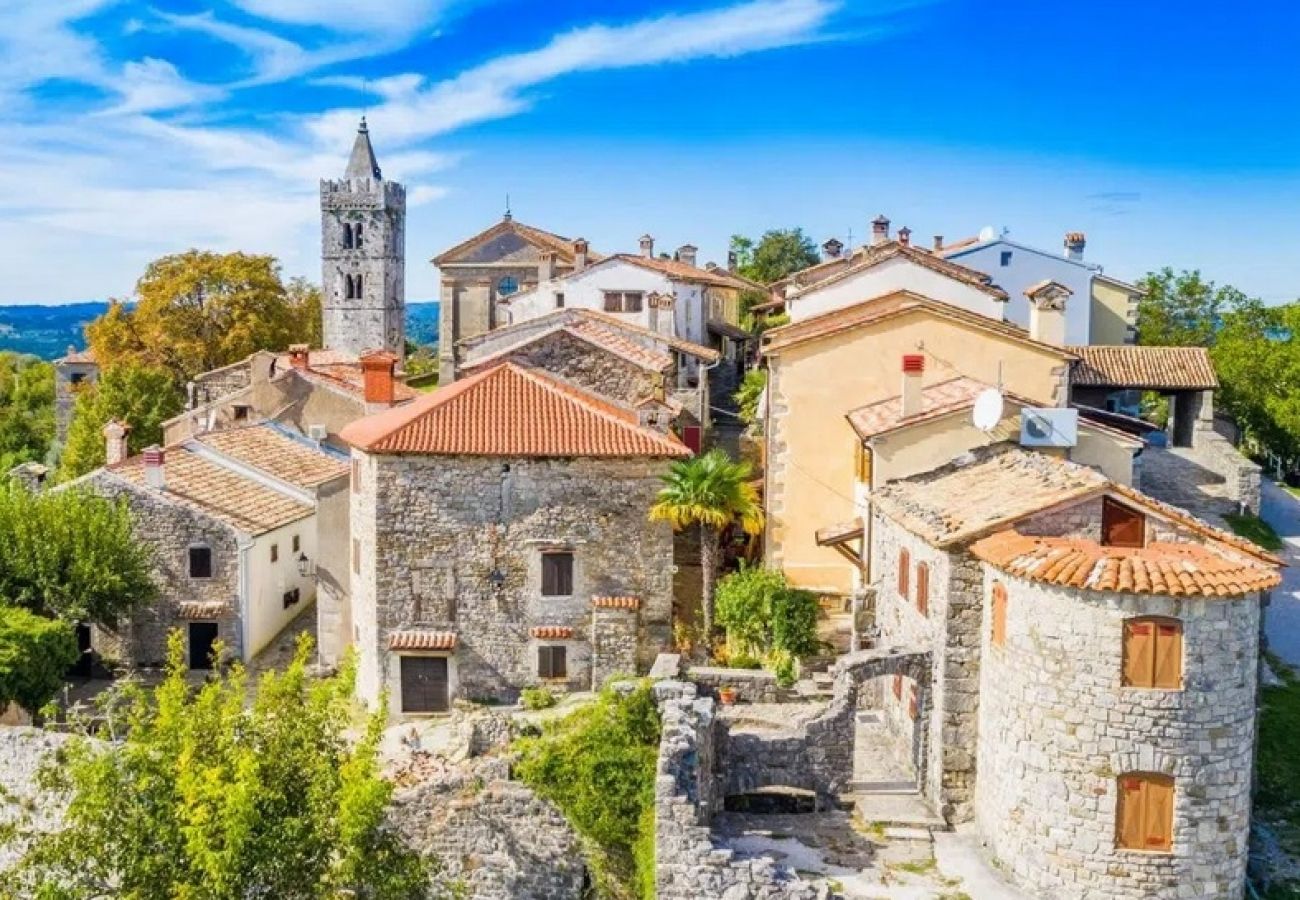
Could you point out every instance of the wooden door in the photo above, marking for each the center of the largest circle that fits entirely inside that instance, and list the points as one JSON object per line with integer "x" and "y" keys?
{"x": 202, "y": 636}
{"x": 1122, "y": 526}
{"x": 425, "y": 684}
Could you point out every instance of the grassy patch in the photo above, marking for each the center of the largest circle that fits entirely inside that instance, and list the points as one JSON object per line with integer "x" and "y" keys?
{"x": 1277, "y": 795}
{"x": 1253, "y": 528}
{"x": 917, "y": 867}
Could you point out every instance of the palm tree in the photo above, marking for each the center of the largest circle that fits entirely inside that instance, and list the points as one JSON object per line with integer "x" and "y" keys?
{"x": 710, "y": 491}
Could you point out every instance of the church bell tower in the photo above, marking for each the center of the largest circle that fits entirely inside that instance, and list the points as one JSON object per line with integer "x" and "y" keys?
{"x": 363, "y": 256}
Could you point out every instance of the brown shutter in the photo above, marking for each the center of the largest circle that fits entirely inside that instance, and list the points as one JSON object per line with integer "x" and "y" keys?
{"x": 1121, "y": 526}
{"x": 911, "y": 703}
{"x": 898, "y": 687}
{"x": 1168, "y": 655}
{"x": 1128, "y": 813}
{"x": 999, "y": 614}
{"x": 1158, "y": 808}
{"x": 1139, "y": 653}
{"x": 923, "y": 588}
{"x": 904, "y": 570}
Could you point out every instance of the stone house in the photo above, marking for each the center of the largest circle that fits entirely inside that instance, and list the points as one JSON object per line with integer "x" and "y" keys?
{"x": 242, "y": 524}
{"x": 75, "y": 370}
{"x": 500, "y": 539}
{"x": 612, "y": 357}
{"x": 1093, "y": 654}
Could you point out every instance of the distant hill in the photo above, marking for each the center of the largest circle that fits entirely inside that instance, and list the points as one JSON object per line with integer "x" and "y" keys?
{"x": 46, "y": 331}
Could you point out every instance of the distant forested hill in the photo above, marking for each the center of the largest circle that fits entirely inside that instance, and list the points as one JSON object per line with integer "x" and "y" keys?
{"x": 46, "y": 331}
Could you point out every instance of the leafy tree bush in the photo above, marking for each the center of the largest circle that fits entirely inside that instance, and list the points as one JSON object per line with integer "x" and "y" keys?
{"x": 140, "y": 396}
{"x": 747, "y": 397}
{"x": 536, "y": 698}
{"x": 35, "y": 653}
{"x": 777, "y": 253}
{"x": 26, "y": 409}
{"x": 71, "y": 554}
{"x": 206, "y": 797}
{"x": 598, "y": 766}
{"x": 764, "y": 617}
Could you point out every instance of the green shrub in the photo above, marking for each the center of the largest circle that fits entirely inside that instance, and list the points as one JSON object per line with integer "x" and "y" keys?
{"x": 35, "y": 653}
{"x": 744, "y": 661}
{"x": 766, "y": 618}
{"x": 537, "y": 698}
{"x": 751, "y": 389}
{"x": 597, "y": 764}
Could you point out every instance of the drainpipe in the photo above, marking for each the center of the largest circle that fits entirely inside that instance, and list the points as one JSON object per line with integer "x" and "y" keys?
{"x": 245, "y": 545}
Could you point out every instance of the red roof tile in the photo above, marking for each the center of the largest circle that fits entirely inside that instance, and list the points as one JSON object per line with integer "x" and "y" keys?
{"x": 1148, "y": 368}
{"x": 422, "y": 640}
{"x": 511, "y": 411}
{"x": 553, "y": 632}
{"x": 616, "y": 602}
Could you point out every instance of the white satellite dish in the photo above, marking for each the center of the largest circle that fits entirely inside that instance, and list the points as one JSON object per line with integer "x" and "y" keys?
{"x": 988, "y": 233}
{"x": 988, "y": 410}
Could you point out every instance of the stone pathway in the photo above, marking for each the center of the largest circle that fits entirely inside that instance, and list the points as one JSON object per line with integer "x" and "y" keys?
{"x": 1177, "y": 476}
{"x": 1282, "y": 619}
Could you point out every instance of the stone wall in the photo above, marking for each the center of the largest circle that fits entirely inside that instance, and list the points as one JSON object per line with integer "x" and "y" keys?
{"x": 24, "y": 803}
{"x": 1240, "y": 475}
{"x": 750, "y": 685}
{"x": 613, "y": 640}
{"x": 70, "y": 378}
{"x": 1057, "y": 729}
{"x": 454, "y": 544}
{"x": 376, "y": 319}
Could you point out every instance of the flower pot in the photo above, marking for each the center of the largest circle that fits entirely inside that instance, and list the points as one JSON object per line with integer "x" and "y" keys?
{"x": 727, "y": 695}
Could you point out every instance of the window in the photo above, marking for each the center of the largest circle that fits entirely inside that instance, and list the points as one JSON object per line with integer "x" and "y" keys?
{"x": 1144, "y": 814}
{"x": 347, "y": 236}
{"x": 200, "y": 562}
{"x": 356, "y": 556}
{"x": 275, "y": 553}
{"x": 297, "y": 543}
{"x": 552, "y": 662}
{"x": 78, "y": 377}
{"x": 898, "y": 687}
{"x": 904, "y": 573}
{"x": 911, "y": 702}
{"x": 623, "y": 301}
{"x": 352, "y": 287}
{"x": 559, "y": 299}
{"x": 1122, "y": 526}
{"x": 1153, "y": 653}
{"x": 241, "y": 412}
{"x": 507, "y": 286}
{"x": 291, "y": 597}
{"x": 356, "y": 475}
{"x": 1006, "y": 258}
{"x": 557, "y": 574}
{"x": 999, "y": 615}
{"x": 923, "y": 588}
{"x": 356, "y": 235}
{"x": 203, "y": 637}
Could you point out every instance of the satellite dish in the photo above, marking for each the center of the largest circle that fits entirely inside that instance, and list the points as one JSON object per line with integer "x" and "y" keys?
{"x": 988, "y": 410}
{"x": 988, "y": 233}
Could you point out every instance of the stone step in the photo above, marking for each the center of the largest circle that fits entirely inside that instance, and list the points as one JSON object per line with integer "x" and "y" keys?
{"x": 908, "y": 833}
{"x": 897, "y": 810}
{"x": 885, "y": 787}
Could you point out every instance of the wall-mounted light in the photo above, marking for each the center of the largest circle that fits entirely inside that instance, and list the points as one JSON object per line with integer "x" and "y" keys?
{"x": 306, "y": 568}
{"x": 496, "y": 578}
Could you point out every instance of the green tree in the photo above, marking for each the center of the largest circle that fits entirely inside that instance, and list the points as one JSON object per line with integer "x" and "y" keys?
{"x": 35, "y": 654}
{"x": 747, "y": 396}
{"x": 1257, "y": 358}
{"x": 777, "y": 253}
{"x": 71, "y": 554}
{"x": 197, "y": 311}
{"x": 765, "y": 617}
{"x": 1182, "y": 310}
{"x": 711, "y": 492}
{"x": 142, "y": 397}
{"x": 26, "y": 409}
{"x": 208, "y": 797}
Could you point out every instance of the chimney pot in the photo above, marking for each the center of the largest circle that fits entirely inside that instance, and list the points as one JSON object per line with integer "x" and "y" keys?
{"x": 1075, "y": 241}
{"x": 686, "y": 254}
{"x": 938, "y": 242}
{"x": 879, "y": 230}
{"x": 546, "y": 265}
{"x": 647, "y": 246}
{"x": 378, "y": 380}
{"x": 299, "y": 355}
{"x": 905, "y": 236}
{"x": 731, "y": 260}
{"x": 580, "y": 252}
{"x": 1047, "y": 312}
{"x": 115, "y": 433}
{"x": 913, "y": 371}
{"x": 155, "y": 467}
{"x": 832, "y": 249}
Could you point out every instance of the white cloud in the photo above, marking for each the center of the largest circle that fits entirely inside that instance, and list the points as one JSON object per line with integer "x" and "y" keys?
{"x": 38, "y": 43}
{"x": 349, "y": 16}
{"x": 153, "y": 85}
{"x": 274, "y": 58}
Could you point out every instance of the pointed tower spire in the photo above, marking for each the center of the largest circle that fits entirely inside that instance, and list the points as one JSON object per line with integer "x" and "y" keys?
{"x": 362, "y": 163}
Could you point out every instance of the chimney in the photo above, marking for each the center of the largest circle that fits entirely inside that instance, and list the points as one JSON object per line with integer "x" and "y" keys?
{"x": 115, "y": 433}
{"x": 905, "y": 236}
{"x": 546, "y": 265}
{"x": 154, "y": 470}
{"x": 832, "y": 249}
{"x": 299, "y": 355}
{"x": 938, "y": 243}
{"x": 731, "y": 260}
{"x": 879, "y": 230}
{"x": 1074, "y": 244}
{"x": 580, "y": 251}
{"x": 1047, "y": 312}
{"x": 913, "y": 371}
{"x": 686, "y": 254}
{"x": 647, "y": 246}
{"x": 378, "y": 380}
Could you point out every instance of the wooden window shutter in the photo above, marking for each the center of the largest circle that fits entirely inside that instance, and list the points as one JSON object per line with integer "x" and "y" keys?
{"x": 1168, "y": 655}
{"x": 1139, "y": 653}
{"x": 999, "y": 614}
{"x": 1128, "y": 815}
{"x": 1158, "y": 820}
{"x": 898, "y": 687}
{"x": 1122, "y": 526}
{"x": 923, "y": 588}
{"x": 911, "y": 703}
{"x": 1144, "y": 817}
{"x": 904, "y": 572}
{"x": 864, "y": 464}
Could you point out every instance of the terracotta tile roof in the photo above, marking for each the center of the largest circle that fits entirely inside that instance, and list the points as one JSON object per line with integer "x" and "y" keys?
{"x": 422, "y": 640}
{"x": 983, "y": 490}
{"x": 552, "y": 632}
{"x": 958, "y": 245}
{"x": 1147, "y": 368}
{"x": 349, "y": 377}
{"x": 574, "y": 317}
{"x": 1190, "y": 522}
{"x": 616, "y": 602}
{"x": 680, "y": 271}
{"x": 594, "y": 333}
{"x": 239, "y": 501}
{"x": 77, "y": 356}
{"x": 511, "y": 411}
{"x": 840, "y": 532}
{"x": 280, "y": 455}
{"x": 207, "y": 609}
{"x": 888, "y": 306}
{"x": 317, "y": 357}
{"x": 884, "y": 416}
{"x": 818, "y": 272}
{"x": 1176, "y": 569}
{"x": 545, "y": 240}
{"x": 869, "y": 257}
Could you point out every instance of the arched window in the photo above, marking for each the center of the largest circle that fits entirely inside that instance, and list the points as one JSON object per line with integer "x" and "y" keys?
{"x": 347, "y": 236}
{"x": 356, "y": 236}
{"x": 1144, "y": 812}
{"x": 507, "y": 286}
{"x": 347, "y": 287}
{"x": 1153, "y": 653}
{"x": 999, "y": 614}
{"x": 356, "y": 284}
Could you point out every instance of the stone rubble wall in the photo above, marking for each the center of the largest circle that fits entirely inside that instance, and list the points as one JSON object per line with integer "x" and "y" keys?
{"x": 687, "y": 864}
{"x": 23, "y": 750}
{"x": 1057, "y": 729}
{"x": 613, "y": 643}
{"x": 750, "y": 685}
{"x": 1241, "y": 475}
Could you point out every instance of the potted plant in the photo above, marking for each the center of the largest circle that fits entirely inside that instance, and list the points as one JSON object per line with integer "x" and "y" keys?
{"x": 727, "y": 694}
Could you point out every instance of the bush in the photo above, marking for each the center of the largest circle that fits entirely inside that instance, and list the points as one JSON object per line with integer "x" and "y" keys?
{"x": 35, "y": 653}
{"x": 536, "y": 698}
{"x": 750, "y": 391}
{"x": 597, "y": 765}
{"x": 766, "y": 618}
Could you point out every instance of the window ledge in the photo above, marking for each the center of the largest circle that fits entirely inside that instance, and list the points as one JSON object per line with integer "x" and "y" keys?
{"x": 1145, "y": 853}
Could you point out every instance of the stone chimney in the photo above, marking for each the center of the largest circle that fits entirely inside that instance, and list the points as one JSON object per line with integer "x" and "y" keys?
{"x": 580, "y": 252}
{"x": 686, "y": 254}
{"x": 879, "y": 230}
{"x": 378, "y": 379}
{"x": 731, "y": 260}
{"x": 905, "y": 236}
{"x": 1075, "y": 241}
{"x": 299, "y": 356}
{"x": 1047, "y": 312}
{"x": 115, "y": 433}
{"x": 832, "y": 249}
{"x": 155, "y": 474}
{"x": 647, "y": 246}
{"x": 913, "y": 371}
{"x": 546, "y": 265}
{"x": 938, "y": 243}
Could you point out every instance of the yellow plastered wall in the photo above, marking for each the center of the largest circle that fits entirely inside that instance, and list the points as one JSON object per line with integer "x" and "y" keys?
{"x": 1112, "y": 311}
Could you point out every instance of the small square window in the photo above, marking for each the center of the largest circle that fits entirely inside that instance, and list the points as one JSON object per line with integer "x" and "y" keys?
{"x": 240, "y": 412}
{"x": 291, "y": 597}
{"x": 275, "y": 553}
{"x": 1006, "y": 258}
{"x": 552, "y": 662}
{"x": 557, "y": 574}
{"x": 297, "y": 543}
{"x": 200, "y": 562}
{"x": 559, "y": 300}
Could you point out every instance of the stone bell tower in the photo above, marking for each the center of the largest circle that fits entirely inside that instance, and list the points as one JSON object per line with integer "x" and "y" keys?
{"x": 363, "y": 256}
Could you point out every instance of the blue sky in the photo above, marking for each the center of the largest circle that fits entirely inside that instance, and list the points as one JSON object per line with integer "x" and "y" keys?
{"x": 133, "y": 128}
